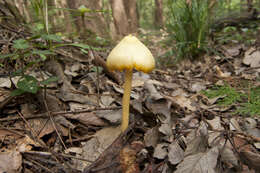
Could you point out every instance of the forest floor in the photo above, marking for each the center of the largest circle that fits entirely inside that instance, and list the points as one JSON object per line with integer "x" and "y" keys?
{"x": 196, "y": 116}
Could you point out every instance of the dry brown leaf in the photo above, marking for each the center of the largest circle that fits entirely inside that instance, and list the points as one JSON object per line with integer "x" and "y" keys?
{"x": 128, "y": 160}
{"x": 113, "y": 116}
{"x": 176, "y": 153}
{"x": 203, "y": 162}
{"x": 11, "y": 162}
{"x": 182, "y": 101}
{"x": 222, "y": 74}
{"x": 6, "y": 83}
{"x": 216, "y": 123}
{"x": 252, "y": 159}
{"x": 160, "y": 151}
{"x": 5, "y": 134}
{"x": 153, "y": 93}
{"x": 197, "y": 87}
{"x": 151, "y": 137}
{"x": 159, "y": 107}
{"x": 107, "y": 100}
{"x": 26, "y": 144}
{"x": 197, "y": 142}
{"x": 234, "y": 51}
{"x": 102, "y": 139}
{"x": 228, "y": 156}
{"x": 87, "y": 118}
{"x": 68, "y": 93}
{"x": 252, "y": 58}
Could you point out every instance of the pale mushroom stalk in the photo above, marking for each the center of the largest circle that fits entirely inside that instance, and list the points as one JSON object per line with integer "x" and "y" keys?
{"x": 126, "y": 99}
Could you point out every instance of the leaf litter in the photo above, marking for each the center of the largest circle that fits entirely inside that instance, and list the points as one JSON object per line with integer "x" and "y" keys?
{"x": 72, "y": 126}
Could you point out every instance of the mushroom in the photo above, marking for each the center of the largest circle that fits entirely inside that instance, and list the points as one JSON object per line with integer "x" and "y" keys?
{"x": 128, "y": 54}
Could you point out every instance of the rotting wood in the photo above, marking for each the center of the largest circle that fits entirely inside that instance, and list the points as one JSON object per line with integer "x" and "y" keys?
{"x": 244, "y": 18}
{"x": 98, "y": 61}
{"x": 109, "y": 161}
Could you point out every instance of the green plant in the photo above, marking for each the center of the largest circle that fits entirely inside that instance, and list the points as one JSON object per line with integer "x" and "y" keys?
{"x": 188, "y": 26}
{"x": 31, "y": 53}
{"x": 146, "y": 13}
{"x": 252, "y": 106}
{"x": 246, "y": 104}
{"x": 23, "y": 51}
{"x": 227, "y": 94}
{"x": 40, "y": 9}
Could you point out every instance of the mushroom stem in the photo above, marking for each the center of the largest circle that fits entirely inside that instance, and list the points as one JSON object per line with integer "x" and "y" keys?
{"x": 126, "y": 99}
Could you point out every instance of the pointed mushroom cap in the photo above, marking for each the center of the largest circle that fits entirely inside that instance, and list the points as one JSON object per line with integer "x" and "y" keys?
{"x": 130, "y": 53}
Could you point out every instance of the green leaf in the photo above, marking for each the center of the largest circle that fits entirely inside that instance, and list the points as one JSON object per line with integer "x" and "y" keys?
{"x": 28, "y": 84}
{"x": 21, "y": 44}
{"x": 49, "y": 80}
{"x": 17, "y": 92}
{"x": 6, "y": 55}
{"x": 80, "y": 45}
{"x": 83, "y": 9}
{"x": 43, "y": 57}
{"x": 84, "y": 51}
{"x": 95, "y": 69}
{"x": 229, "y": 29}
{"x": 83, "y": 46}
{"x": 43, "y": 53}
{"x": 18, "y": 72}
{"x": 51, "y": 37}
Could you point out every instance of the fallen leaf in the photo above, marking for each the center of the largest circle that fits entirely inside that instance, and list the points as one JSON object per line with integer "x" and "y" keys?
{"x": 203, "y": 162}
{"x": 11, "y": 162}
{"x": 153, "y": 93}
{"x": 198, "y": 142}
{"x": 66, "y": 94}
{"x": 87, "y": 118}
{"x": 26, "y": 144}
{"x": 234, "y": 51}
{"x": 216, "y": 123}
{"x": 227, "y": 155}
{"x": 107, "y": 100}
{"x": 151, "y": 137}
{"x": 121, "y": 91}
{"x": 251, "y": 159}
{"x": 252, "y": 58}
{"x": 6, "y": 83}
{"x": 166, "y": 129}
{"x": 182, "y": 101}
{"x": 76, "y": 150}
{"x": 102, "y": 139}
{"x": 128, "y": 160}
{"x": 176, "y": 153}
{"x": 222, "y": 74}
{"x": 5, "y": 133}
{"x": 250, "y": 123}
{"x": 160, "y": 151}
{"x": 197, "y": 87}
{"x": 113, "y": 116}
{"x": 234, "y": 125}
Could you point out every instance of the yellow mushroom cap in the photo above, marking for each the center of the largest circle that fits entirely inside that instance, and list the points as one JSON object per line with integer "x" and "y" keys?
{"x": 130, "y": 53}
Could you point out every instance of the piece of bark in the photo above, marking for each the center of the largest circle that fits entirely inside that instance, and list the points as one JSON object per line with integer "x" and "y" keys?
{"x": 109, "y": 160}
{"x": 98, "y": 61}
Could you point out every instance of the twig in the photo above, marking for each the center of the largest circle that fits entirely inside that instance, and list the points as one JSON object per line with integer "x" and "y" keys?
{"x": 38, "y": 164}
{"x": 6, "y": 101}
{"x": 29, "y": 126}
{"x": 50, "y": 154}
{"x": 53, "y": 123}
{"x": 43, "y": 115}
{"x": 98, "y": 61}
{"x": 12, "y": 130}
